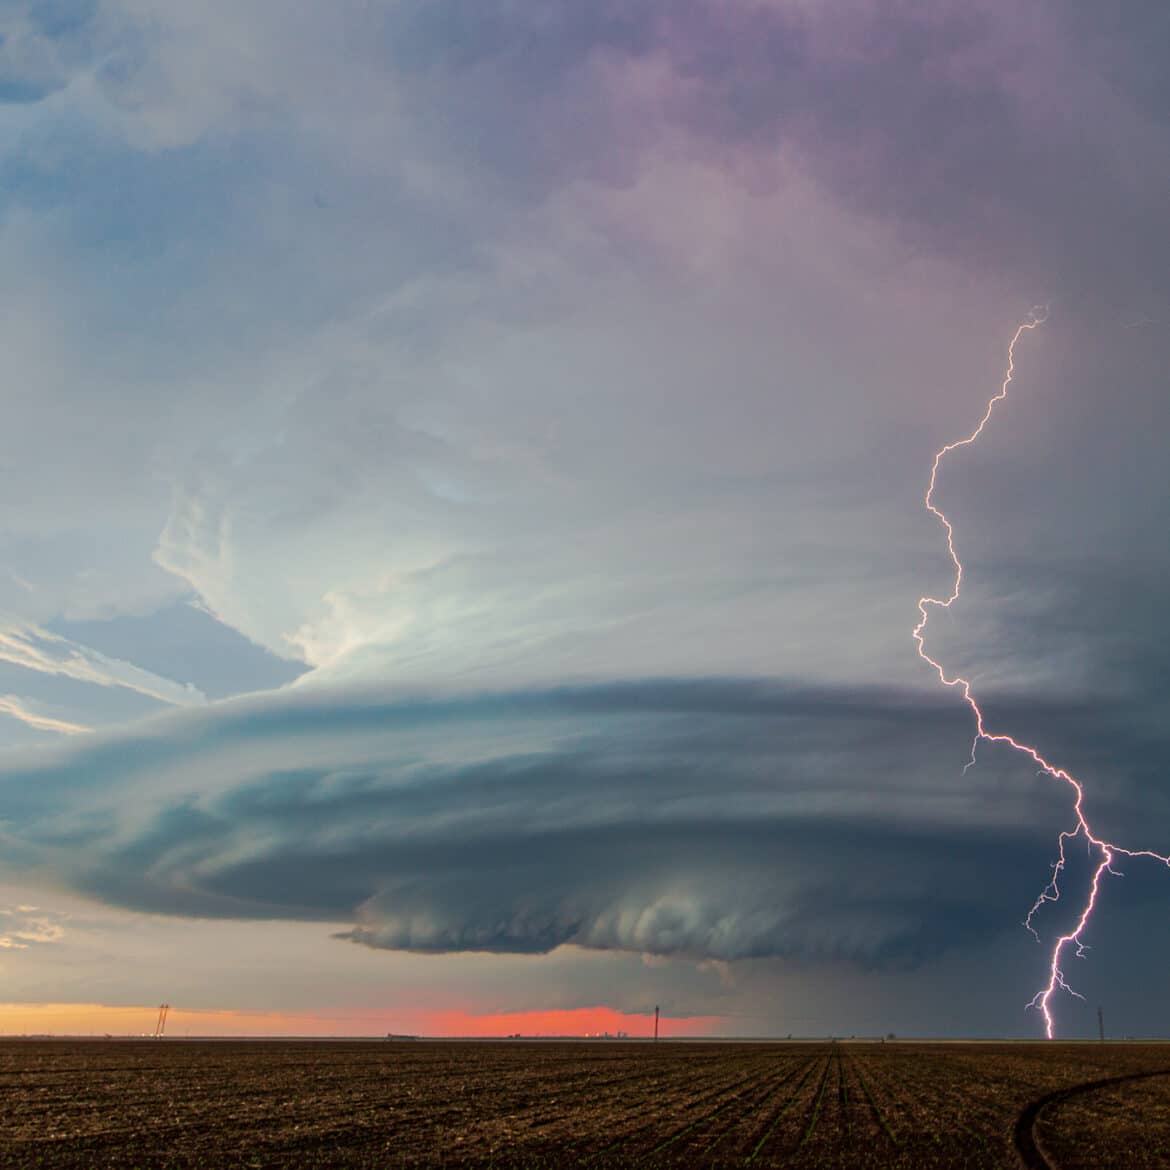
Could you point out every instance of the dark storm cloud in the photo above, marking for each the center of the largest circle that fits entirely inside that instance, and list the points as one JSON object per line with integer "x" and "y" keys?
{"x": 871, "y": 894}
{"x": 707, "y": 819}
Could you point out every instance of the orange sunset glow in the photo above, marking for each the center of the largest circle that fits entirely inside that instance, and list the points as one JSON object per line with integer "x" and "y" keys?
{"x": 85, "y": 1019}
{"x": 591, "y": 1021}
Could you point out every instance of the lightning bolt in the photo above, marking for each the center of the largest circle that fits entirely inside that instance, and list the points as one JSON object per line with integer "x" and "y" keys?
{"x": 1104, "y": 852}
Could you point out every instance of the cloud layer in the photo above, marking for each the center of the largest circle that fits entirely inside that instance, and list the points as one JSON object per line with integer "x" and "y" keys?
{"x": 512, "y": 341}
{"x": 705, "y": 819}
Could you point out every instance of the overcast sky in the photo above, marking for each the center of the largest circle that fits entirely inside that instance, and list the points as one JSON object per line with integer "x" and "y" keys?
{"x": 462, "y": 516}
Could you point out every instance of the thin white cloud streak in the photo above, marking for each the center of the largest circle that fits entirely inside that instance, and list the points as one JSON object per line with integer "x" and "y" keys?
{"x": 36, "y": 649}
{"x": 18, "y": 708}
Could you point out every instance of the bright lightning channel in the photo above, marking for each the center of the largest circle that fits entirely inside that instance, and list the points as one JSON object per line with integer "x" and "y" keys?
{"x": 1104, "y": 851}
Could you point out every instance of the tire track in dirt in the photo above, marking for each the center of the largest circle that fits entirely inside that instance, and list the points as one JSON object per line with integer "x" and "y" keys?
{"x": 1031, "y": 1150}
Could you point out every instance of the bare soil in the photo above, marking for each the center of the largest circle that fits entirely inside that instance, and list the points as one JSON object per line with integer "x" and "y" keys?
{"x": 189, "y": 1103}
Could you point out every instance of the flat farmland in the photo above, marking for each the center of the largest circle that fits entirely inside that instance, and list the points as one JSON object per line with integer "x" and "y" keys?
{"x": 189, "y": 1103}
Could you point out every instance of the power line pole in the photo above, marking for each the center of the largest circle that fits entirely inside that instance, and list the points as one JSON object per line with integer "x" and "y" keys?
{"x": 655, "y": 1023}
{"x": 1101, "y": 1025}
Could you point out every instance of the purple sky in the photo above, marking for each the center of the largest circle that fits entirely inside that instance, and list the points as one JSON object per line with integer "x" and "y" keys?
{"x": 463, "y": 513}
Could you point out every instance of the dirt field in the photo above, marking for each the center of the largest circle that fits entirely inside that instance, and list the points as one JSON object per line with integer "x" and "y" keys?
{"x": 598, "y": 1105}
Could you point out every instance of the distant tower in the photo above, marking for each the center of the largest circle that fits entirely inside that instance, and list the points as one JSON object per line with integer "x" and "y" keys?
{"x": 656, "y": 1023}
{"x": 1101, "y": 1025}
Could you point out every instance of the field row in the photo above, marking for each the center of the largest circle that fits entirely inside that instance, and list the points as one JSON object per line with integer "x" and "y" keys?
{"x": 178, "y": 1104}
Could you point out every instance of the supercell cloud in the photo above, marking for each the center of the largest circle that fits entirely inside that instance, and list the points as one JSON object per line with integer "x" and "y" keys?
{"x": 707, "y": 820}
{"x": 463, "y": 474}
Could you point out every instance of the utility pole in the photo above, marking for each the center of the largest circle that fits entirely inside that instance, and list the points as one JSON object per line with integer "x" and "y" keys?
{"x": 160, "y": 1026}
{"x": 655, "y": 1023}
{"x": 1101, "y": 1025}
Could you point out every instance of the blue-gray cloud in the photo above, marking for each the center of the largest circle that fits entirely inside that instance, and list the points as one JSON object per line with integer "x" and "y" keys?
{"x": 706, "y": 819}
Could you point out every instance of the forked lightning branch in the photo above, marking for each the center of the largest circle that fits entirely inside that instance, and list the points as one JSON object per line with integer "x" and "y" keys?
{"x": 1103, "y": 852}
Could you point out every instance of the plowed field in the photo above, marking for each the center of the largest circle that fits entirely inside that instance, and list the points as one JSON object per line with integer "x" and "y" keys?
{"x": 176, "y": 1103}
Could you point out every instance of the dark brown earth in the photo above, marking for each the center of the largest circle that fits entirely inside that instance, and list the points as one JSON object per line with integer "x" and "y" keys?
{"x": 176, "y": 1103}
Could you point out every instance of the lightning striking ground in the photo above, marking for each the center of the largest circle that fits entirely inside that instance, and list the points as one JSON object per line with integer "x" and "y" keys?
{"x": 1105, "y": 852}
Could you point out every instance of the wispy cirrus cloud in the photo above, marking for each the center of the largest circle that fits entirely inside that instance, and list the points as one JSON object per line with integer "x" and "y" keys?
{"x": 39, "y": 650}
{"x": 20, "y": 709}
